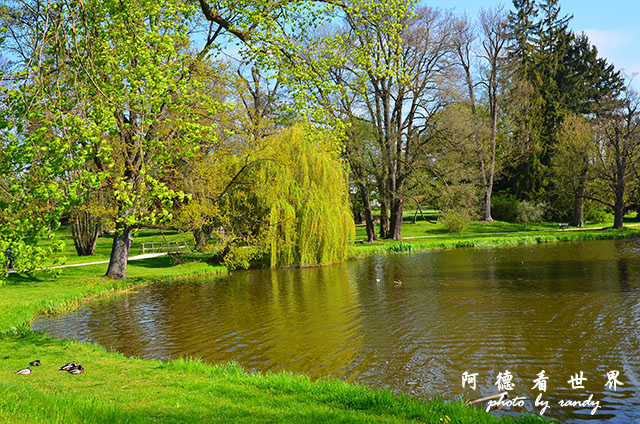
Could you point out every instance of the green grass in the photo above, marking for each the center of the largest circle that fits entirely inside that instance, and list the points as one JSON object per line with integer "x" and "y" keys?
{"x": 485, "y": 241}
{"x": 116, "y": 389}
{"x": 103, "y": 245}
{"x": 432, "y": 227}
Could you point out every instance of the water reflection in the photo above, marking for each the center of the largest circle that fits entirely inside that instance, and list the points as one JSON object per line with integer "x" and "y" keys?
{"x": 564, "y": 308}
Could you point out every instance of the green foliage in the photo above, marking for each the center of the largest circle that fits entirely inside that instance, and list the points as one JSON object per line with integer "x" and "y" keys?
{"x": 505, "y": 207}
{"x": 33, "y": 194}
{"x": 527, "y": 212}
{"x": 593, "y": 215}
{"x": 455, "y": 221}
{"x": 305, "y": 185}
{"x": 400, "y": 247}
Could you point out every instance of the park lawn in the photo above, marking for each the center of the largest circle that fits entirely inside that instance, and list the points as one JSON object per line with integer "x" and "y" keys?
{"x": 103, "y": 245}
{"x": 452, "y": 240}
{"x": 432, "y": 227}
{"x": 116, "y": 389}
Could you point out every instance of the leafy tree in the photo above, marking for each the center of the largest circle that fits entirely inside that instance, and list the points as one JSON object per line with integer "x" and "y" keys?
{"x": 494, "y": 43}
{"x": 304, "y": 187}
{"x": 572, "y": 161}
{"x": 390, "y": 73}
{"x": 33, "y": 194}
{"x": 138, "y": 108}
{"x": 618, "y": 144}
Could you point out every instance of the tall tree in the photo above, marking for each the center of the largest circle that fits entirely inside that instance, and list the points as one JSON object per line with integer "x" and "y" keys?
{"x": 494, "y": 43}
{"x": 618, "y": 138}
{"x": 128, "y": 67}
{"x": 572, "y": 161}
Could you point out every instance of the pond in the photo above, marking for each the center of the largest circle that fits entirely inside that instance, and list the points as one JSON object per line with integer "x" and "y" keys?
{"x": 410, "y": 323}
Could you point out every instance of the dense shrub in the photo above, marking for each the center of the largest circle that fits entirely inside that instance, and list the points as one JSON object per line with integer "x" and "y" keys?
{"x": 529, "y": 212}
{"x": 504, "y": 208}
{"x": 455, "y": 221}
{"x": 597, "y": 216}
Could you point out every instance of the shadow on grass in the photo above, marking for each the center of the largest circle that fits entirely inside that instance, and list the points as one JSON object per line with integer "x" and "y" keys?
{"x": 168, "y": 261}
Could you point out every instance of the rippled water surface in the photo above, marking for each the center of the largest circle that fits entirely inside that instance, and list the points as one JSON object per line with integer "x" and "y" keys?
{"x": 562, "y": 308}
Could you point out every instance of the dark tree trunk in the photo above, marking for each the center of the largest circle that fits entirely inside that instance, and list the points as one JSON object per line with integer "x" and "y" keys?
{"x": 396, "y": 219}
{"x": 357, "y": 217}
{"x": 578, "y": 208}
{"x": 119, "y": 253}
{"x": 618, "y": 210}
{"x": 85, "y": 229}
{"x": 620, "y": 175}
{"x": 368, "y": 216}
{"x": 384, "y": 220}
{"x": 202, "y": 236}
{"x": 578, "y": 201}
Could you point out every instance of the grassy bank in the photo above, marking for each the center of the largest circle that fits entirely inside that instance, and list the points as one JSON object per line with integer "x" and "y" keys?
{"x": 431, "y": 226}
{"x": 489, "y": 240}
{"x": 115, "y": 389}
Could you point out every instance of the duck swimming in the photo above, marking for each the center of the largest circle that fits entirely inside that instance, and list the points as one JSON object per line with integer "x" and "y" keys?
{"x": 76, "y": 370}
{"x": 68, "y": 366}
{"x": 35, "y": 363}
{"x": 24, "y": 371}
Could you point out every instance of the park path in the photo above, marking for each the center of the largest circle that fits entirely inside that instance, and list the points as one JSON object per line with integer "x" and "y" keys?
{"x": 131, "y": 258}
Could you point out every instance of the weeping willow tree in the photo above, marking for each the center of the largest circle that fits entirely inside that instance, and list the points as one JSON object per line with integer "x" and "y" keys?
{"x": 305, "y": 185}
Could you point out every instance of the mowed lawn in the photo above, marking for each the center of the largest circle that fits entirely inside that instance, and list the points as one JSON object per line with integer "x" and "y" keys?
{"x": 431, "y": 226}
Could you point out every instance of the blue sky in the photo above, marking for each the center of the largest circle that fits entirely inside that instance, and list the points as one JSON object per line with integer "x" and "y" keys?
{"x": 612, "y": 26}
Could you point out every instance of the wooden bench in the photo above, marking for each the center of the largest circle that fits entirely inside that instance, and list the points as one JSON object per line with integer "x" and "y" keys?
{"x": 171, "y": 247}
{"x": 563, "y": 225}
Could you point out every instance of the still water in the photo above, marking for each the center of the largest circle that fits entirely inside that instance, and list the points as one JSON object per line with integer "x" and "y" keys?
{"x": 564, "y": 308}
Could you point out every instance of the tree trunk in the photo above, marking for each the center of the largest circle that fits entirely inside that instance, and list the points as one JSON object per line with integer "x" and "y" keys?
{"x": 620, "y": 175}
{"x": 492, "y": 160}
{"x": 486, "y": 210}
{"x": 618, "y": 210}
{"x": 384, "y": 220}
{"x": 119, "y": 253}
{"x": 368, "y": 216}
{"x": 84, "y": 229}
{"x": 578, "y": 201}
{"x": 578, "y": 207}
{"x": 396, "y": 219}
{"x": 202, "y": 236}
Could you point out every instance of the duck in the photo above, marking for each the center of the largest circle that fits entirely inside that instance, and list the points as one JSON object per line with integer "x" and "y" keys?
{"x": 76, "y": 370}
{"x": 35, "y": 363}
{"x": 68, "y": 366}
{"x": 24, "y": 371}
